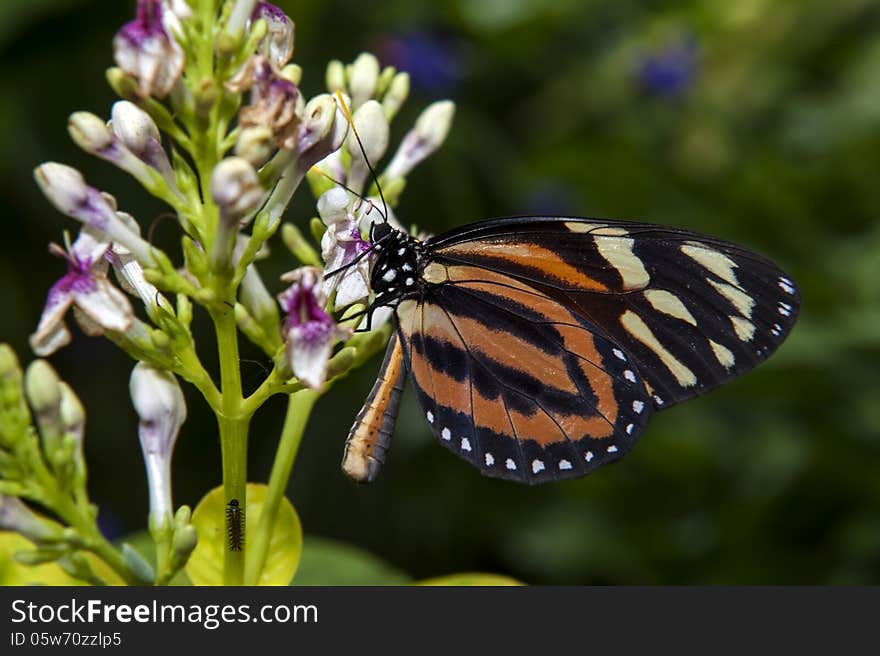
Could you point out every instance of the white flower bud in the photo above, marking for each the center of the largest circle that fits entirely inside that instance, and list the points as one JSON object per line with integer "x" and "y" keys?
{"x": 66, "y": 189}
{"x": 235, "y": 187}
{"x": 159, "y": 402}
{"x": 372, "y": 127}
{"x": 333, "y": 206}
{"x": 90, "y": 133}
{"x": 133, "y": 126}
{"x": 362, "y": 79}
{"x": 427, "y": 136}
{"x": 255, "y": 144}
{"x": 335, "y": 76}
{"x": 396, "y": 95}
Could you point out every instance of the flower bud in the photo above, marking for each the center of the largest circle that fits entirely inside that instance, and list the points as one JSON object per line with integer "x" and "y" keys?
{"x": 427, "y": 136}
{"x": 159, "y": 402}
{"x": 333, "y": 206}
{"x": 16, "y": 516}
{"x": 362, "y": 79}
{"x": 256, "y": 145}
{"x": 335, "y": 76}
{"x": 235, "y": 187}
{"x": 372, "y": 128}
{"x": 68, "y": 192}
{"x": 137, "y": 132}
{"x": 396, "y": 95}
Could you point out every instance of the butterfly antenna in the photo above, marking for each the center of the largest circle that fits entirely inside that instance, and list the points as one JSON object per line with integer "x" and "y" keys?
{"x": 350, "y": 120}
{"x": 349, "y": 190}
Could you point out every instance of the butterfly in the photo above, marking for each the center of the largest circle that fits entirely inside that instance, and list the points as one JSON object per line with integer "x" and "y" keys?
{"x": 539, "y": 347}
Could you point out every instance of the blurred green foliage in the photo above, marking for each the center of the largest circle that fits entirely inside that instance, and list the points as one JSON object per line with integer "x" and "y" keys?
{"x": 756, "y": 120}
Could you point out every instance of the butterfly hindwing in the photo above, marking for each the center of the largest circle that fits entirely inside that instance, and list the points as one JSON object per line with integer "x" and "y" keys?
{"x": 515, "y": 382}
{"x": 691, "y": 311}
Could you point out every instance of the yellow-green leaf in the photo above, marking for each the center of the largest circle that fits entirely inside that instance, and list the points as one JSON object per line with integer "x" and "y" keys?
{"x": 205, "y": 566}
{"x": 472, "y": 579}
{"x": 15, "y": 573}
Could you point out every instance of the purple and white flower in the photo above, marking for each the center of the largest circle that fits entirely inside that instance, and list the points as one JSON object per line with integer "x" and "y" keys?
{"x": 343, "y": 247}
{"x": 308, "y": 331}
{"x": 159, "y": 402}
{"x": 275, "y": 100}
{"x": 98, "y": 305}
{"x": 146, "y": 48}
{"x": 278, "y": 44}
{"x": 66, "y": 189}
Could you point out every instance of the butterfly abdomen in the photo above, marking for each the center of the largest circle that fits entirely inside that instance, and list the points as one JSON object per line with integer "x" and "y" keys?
{"x": 370, "y": 436}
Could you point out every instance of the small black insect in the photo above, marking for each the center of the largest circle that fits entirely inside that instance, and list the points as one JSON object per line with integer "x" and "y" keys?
{"x": 234, "y": 525}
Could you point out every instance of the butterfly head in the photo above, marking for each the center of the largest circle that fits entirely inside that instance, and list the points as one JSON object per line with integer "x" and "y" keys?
{"x": 395, "y": 271}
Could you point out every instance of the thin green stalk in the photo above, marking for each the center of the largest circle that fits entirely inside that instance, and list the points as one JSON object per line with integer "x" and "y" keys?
{"x": 233, "y": 423}
{"x": 94, "y": 541}
{"x": 298, "y": 410}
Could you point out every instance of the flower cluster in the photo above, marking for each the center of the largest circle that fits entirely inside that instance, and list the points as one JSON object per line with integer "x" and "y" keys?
{"x": 212, "y": 121}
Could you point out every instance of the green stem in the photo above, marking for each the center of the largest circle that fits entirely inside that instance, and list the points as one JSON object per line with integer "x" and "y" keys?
{"x": 93, "y": 540}
{"x": 233, "y": 423}
{"x": 298, "y": 410}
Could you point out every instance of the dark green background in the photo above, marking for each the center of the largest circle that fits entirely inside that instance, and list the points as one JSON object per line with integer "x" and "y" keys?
{"x": 771, "y": 139}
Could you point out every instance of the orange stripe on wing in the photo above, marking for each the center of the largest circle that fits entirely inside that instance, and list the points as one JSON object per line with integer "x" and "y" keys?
{"x": 544, "y": 262}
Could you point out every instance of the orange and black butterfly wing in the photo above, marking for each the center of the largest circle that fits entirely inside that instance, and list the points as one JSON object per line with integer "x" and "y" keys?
{"x": 689, "y": 311}
{"x": 515, "y": 382}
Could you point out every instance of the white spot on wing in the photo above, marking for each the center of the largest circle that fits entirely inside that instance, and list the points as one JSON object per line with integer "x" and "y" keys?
{"x": 619, "y": 354}
{"x": 490, "y": 460}
{"x": 588, "y": 456}
{"x": 629, "y": 375}
{"x": 612, "y": 449}
{"x": 723, "y": 354}
{"x": 740, "y": 300}
{"x": 446, "y": 434}
{"x": 389, "y": 275}
{"x": 638, "y": 406}
{"x": 743, "y": 328}
{"x": 658, "y": 400}
{"x": 430, "y": 416}
{"x": 618, "y": 252}
{"x": 670, "y": 304}
{"x": 510, "y": 464}
{"x": 712, "y": 260}
{"x": 564, "y": 464}
{"x": 465, "y": 444}
{"x": 629, "y": 429}
{"x": 537, "y": 465}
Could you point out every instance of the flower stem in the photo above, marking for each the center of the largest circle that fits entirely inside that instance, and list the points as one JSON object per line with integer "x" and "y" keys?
{"x": 299, "y": 408}
{"x": 233, "y": 423}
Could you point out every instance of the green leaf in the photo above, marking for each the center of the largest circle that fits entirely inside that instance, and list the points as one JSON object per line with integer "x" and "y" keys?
{"x": 473, "y": 579}
{"x": 205, "y": 566}
{"x": 328, "y": 562}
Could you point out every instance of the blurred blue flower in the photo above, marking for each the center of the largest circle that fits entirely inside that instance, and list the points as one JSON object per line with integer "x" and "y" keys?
{"x": 432, "y": 58}
{"x": 670, "y": 72}
{"x": 551, "y": 197}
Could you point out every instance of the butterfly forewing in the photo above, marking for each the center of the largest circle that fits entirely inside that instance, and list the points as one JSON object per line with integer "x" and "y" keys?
{"x": 690, "y": 311}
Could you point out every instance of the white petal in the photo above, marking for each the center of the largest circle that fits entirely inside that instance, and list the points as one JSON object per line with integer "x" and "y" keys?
{"x": 105, "y": 305}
